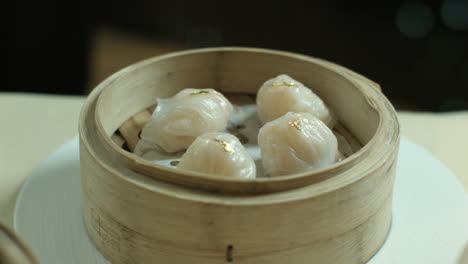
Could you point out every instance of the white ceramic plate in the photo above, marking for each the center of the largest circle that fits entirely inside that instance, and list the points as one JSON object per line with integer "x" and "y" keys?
{"x": 430, "y": 220}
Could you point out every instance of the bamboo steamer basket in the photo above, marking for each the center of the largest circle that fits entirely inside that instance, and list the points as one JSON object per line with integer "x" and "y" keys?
{"x": 138, "y": 212}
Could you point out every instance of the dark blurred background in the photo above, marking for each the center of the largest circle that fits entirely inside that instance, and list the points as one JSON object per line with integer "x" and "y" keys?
{"x": 416, "y": 50}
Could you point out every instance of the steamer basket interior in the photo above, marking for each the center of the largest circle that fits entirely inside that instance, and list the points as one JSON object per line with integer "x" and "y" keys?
{"x": 126, "y": 103}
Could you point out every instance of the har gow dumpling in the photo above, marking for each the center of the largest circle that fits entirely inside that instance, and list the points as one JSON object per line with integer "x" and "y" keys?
{"x": 219, "y": 153}
{"x": 283, "y": 94}
{"x": 177, "y": 121}
{"x": 296, "y": 142}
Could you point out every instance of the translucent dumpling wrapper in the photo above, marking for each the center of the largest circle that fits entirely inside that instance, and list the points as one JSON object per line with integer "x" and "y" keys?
{"x": 283, "y": 94}
{"x": 178, "y": 121}
{"x": 220, "y": 154}
{"x": 295, "y": 143}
